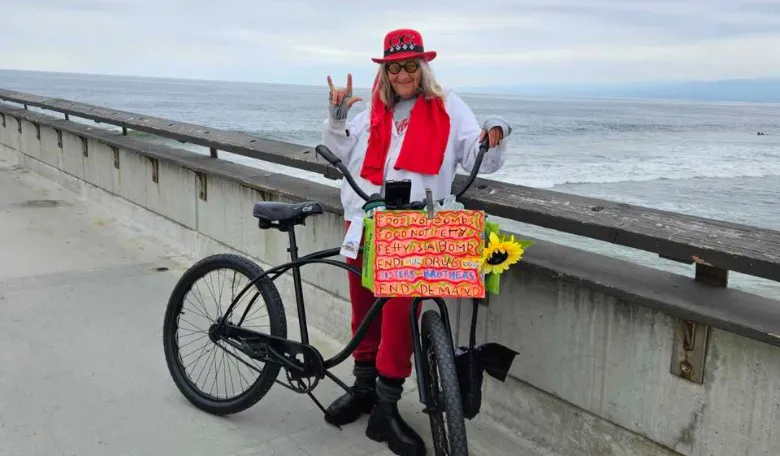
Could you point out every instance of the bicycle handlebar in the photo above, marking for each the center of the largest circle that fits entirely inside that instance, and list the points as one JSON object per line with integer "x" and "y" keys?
{"x": 336, "y": 161}
{"x": 338, "y": 164}
{"x": 483, "y": 148}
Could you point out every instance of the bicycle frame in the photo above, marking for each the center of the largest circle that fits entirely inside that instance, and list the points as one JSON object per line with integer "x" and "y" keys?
{"x": 322, "y": 257}
{"x": 295, "y": 263}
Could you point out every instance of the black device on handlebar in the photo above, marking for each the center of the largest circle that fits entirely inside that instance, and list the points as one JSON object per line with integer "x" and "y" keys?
{"x": 397, "y": 192}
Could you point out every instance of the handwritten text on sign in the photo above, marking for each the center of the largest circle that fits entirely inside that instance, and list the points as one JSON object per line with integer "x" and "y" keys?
{"x": 416, "y": 256}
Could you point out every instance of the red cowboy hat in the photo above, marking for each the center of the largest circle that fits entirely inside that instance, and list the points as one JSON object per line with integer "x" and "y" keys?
{"x": 404, "y": 44}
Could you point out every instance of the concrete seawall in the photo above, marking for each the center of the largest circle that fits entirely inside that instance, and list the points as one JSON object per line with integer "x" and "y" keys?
{"x": 596, "y": 335}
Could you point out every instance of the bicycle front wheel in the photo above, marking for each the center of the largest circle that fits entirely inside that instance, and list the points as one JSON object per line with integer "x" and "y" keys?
{"x": 442, "y": 388}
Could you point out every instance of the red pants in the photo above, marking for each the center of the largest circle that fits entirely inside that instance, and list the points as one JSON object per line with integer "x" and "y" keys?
{"x": 389, "y": 338}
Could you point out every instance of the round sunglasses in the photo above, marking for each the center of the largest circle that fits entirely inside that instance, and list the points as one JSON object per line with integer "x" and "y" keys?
{"x": 395, "y": 67}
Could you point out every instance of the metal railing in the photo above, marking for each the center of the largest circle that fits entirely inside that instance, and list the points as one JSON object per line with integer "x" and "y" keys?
{"x": 714, "y": 246}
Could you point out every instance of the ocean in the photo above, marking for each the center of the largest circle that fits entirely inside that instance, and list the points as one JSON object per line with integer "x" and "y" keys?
{"x": 699, "y": 158}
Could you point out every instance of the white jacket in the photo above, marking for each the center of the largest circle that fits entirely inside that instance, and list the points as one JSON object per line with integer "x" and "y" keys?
{"x": 461, "y": 149}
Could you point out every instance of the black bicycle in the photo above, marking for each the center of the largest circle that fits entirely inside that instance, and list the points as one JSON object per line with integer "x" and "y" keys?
{"x": 449, "y": 382}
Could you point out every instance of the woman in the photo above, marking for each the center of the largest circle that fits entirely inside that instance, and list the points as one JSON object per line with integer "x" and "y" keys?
{"x": 413, "y": 130}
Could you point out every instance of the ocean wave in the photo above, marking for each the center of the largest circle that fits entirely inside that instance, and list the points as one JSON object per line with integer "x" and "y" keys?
{"x": 583, "y": 128}
{"x": 602, "y": 173}
{"x": 578, "y": 165}
{"x": 599, "y": 171}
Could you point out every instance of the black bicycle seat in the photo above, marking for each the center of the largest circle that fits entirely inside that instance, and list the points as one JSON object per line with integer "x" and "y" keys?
{"x": 285, "y": 214}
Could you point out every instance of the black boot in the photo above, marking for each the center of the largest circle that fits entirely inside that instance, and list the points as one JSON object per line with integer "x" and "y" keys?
{"x": 348, "y": 408}
{"x": 386, "y": 424}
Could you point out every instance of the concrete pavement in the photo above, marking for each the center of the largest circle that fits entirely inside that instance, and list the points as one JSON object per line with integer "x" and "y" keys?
{"x": 81, "y": 344}
{"x": 83, "y": 373}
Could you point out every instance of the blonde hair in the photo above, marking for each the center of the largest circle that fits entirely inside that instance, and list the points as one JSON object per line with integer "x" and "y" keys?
{"x": 428, "y": 85}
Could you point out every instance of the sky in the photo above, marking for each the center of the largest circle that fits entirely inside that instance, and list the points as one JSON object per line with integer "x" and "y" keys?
{"x": 500, "y": 42}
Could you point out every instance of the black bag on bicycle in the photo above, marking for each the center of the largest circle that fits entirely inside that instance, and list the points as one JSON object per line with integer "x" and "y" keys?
{"x": 471, "y": 363}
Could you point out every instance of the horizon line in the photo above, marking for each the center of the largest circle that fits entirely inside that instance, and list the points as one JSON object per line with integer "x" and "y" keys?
{"x": 529, "y": 84}
{"x": 488, "y": 90}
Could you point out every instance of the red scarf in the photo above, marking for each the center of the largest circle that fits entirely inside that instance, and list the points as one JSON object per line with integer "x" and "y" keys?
{"x": 423, "y": 147}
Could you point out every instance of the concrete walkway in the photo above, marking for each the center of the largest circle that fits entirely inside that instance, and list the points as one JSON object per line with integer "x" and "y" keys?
{"x": 83, "y": 371}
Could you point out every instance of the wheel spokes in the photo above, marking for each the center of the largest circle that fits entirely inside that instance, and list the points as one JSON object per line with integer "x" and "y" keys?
{"x": 220, "y": 371}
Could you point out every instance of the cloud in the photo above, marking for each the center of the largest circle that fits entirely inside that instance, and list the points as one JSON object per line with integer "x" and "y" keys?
{"x": 301, "y": 41}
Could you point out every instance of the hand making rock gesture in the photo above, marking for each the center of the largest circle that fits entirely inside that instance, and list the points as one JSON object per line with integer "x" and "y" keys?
{"x": 341, "y": 99}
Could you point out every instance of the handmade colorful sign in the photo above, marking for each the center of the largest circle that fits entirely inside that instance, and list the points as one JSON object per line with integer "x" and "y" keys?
{"x": 415, "y": 256}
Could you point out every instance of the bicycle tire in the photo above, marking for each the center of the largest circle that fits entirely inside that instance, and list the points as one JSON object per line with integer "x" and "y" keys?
{"x": 278, "y": 327}
{"x": 439, "y": 365}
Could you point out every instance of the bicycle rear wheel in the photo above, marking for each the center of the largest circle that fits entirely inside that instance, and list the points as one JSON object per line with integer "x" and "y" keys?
{"x": 195, "y": 356}
{"x": 441, "y": 388}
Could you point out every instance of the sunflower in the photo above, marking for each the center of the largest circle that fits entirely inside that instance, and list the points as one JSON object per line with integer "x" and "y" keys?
{"x": 499, "y": 254}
